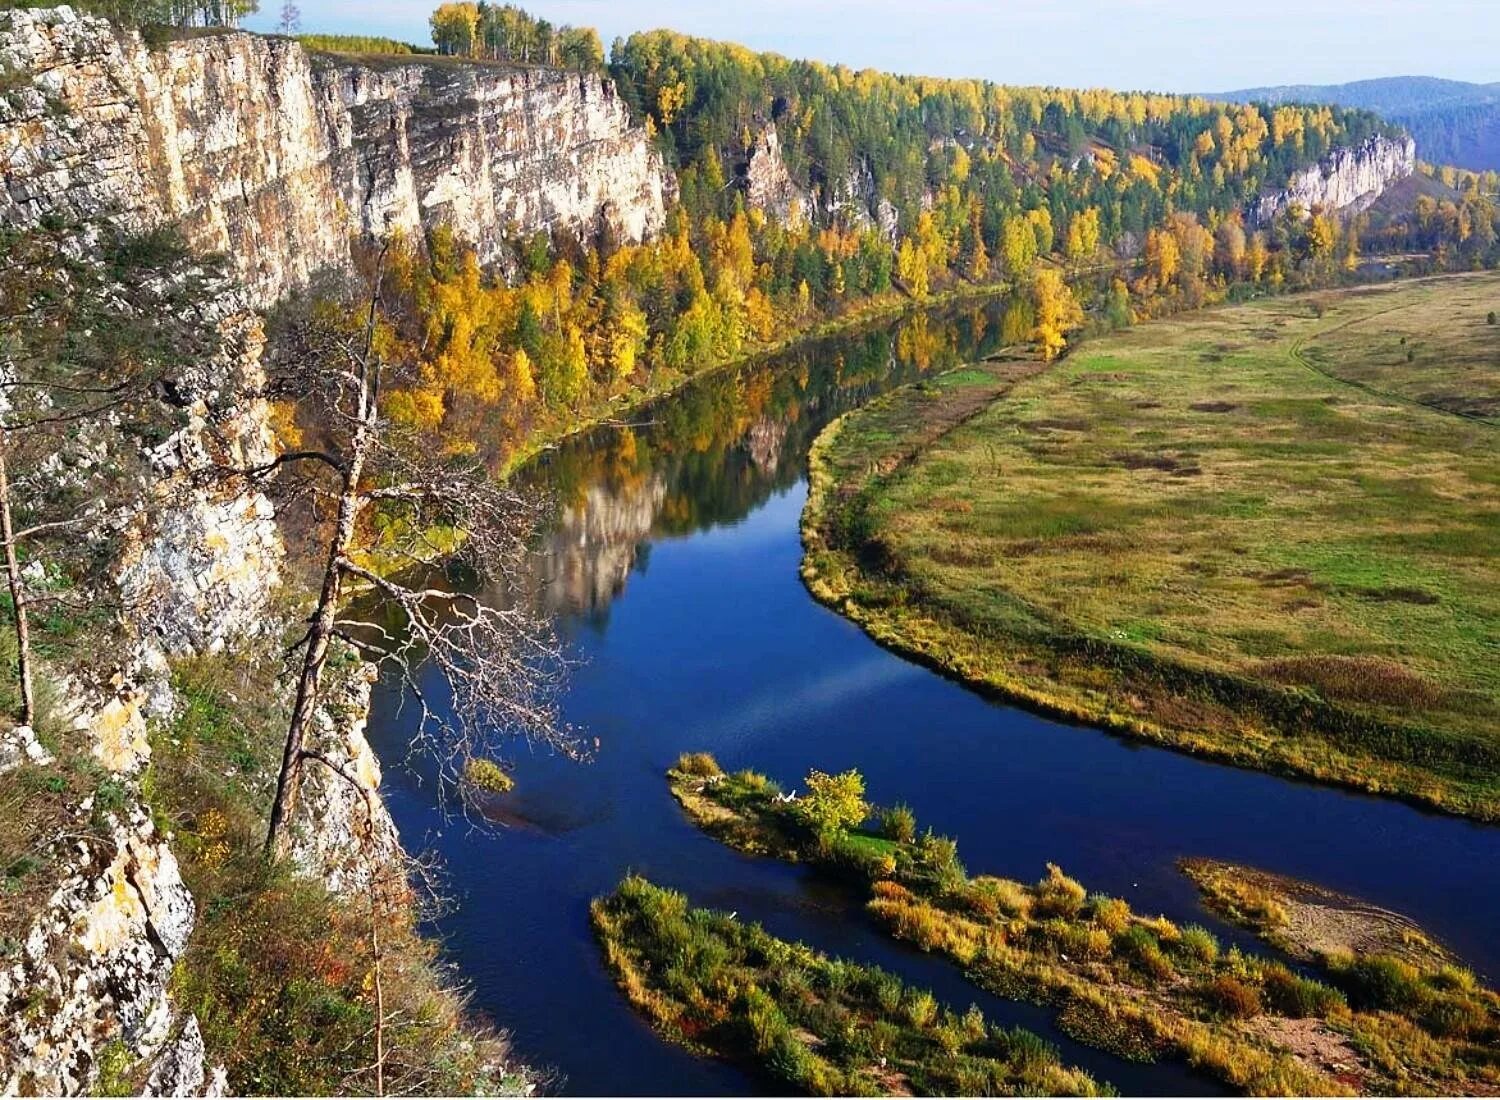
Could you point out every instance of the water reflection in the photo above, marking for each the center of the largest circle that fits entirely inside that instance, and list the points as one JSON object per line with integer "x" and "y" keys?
{"x": 673, "y": 572}
{"x": 713, "y": 453}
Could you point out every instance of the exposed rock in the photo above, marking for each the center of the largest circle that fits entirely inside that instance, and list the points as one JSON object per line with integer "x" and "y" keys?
{"x": 768, "y": 183}
{"x": 18, "y": 745}
{"x": 1346, "y": 181}
{"x": 342, "y": 833}
{"x": 119, "y": 733}
{"x": 275, "y": 157}
{"x": 205, "y": 555}
{"x": 181, "y": 1068}
{"x": 851, "y": 201}
{"x": 94, "y": 966}
{"x": 855, "y": 201}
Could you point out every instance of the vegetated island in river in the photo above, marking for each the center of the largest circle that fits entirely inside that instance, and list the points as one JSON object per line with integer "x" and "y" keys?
{"x": 1262, "y": 533}
{"x": 818, "y": 1025}
{"x": 1389, "y": 1011}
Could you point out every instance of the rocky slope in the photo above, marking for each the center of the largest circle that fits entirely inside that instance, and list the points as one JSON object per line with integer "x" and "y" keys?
{"x": 851, "y": 200}
{"x": 1347, "y": 181}
{"x": 89, "y": 981}
{"x": 277, "y": 157}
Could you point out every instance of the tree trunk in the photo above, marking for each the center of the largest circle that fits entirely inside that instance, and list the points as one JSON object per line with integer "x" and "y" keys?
{"x": 320, "y": 632}
{"x": 17, "y": 595}
{"x": 325, "y": 617}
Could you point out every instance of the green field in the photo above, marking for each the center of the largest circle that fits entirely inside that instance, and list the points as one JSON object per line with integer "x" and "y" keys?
{"x": 1266, "y": 533}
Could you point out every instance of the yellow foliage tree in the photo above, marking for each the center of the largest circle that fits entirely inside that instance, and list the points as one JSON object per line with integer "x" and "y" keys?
{"x": 1057, "y": 311}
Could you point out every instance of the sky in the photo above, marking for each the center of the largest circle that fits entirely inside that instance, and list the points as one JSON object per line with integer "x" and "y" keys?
{"x": 1165, "y": 45}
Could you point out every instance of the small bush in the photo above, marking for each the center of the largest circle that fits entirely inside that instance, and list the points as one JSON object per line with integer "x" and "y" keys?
{"x": 1298, "y": 997}
{"x": 1025, "y": 1048}
{"x": 1139, "y": 946}
{"x": 950, "y": 1035}
{"x": 766, "y": 1022}
{"x": 886, "y": 992}
{"x": 939, "y": 854}
{"x": 1452, "y": 977}
{"x": 1057, "y": 895}
{"x": 790, "y": 1060}
{"x": 1198, "y": 944}
{"x": 484, "y": 774}
{"x": 834, "y": 803}
{"x": 1226, "y": 996}
{"x": 899, "y": 824}
{"x": 921, "y": 1008}
{"x": 974, "y": 1024}
{"x": 1078, "y": 941}
{"x": 701, "y": 764}
{"x": 1013, "y": 898}
{"x": 1385, "y": 983}
{"x": 1110, "y": 914}
{"x": 1489, "y": 318}
{"x": 1456, "y": 1018}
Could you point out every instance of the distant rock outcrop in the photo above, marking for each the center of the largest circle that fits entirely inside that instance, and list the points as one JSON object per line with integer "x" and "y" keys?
{"x": 768, "y": 183}
{"x": 258, "y": 149}
{"x": 1346, "y": 181}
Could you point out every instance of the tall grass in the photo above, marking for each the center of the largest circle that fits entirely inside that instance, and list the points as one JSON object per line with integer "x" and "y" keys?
{"x": 809, "y": 1023}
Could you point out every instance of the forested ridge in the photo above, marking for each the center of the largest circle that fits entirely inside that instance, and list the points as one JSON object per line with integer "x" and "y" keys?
{"x": 807, "y": 191}
{"x": 1453, "y": 121}
{"x": 811, "y": 192}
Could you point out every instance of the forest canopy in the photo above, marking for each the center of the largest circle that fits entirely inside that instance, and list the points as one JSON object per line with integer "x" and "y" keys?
{"x": 143, "y": 13}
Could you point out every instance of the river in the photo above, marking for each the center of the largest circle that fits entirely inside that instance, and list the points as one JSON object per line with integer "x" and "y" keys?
{"x": 673, "y": 574}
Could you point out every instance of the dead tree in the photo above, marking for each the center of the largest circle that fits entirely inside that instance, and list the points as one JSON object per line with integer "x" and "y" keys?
{"x": 501, "y": 663}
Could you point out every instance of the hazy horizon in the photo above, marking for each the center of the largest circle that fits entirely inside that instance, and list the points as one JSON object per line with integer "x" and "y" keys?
{"x": 1167, "y": 45}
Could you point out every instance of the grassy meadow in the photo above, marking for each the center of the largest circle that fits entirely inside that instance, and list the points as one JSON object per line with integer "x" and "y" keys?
{"x": 1264, "y": 533}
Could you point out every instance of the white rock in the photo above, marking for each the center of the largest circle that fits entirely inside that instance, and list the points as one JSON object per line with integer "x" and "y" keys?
{"x": 275, "y": 158}
{"x": 1346, "y": 181}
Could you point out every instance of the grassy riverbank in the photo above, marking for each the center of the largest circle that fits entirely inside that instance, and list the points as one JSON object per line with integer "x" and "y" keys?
{"x": 807, "y": 1022}
{"x": 1261, "y": 533}
{"x": 1137, "y": 985}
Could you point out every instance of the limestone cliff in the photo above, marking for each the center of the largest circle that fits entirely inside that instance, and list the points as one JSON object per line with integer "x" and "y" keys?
{"x": 255, "y": 149}
{"x": 852, "y": 200}
{"x": 276, "y": 157}
{"x": 198, "y": 568}
{"x": 1346, "y": 181}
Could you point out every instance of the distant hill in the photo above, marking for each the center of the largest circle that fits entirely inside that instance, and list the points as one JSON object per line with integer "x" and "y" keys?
{"x": 1453, "y": 122}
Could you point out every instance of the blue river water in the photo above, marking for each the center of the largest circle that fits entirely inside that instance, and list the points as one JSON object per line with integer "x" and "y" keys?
{"x": 673, "y": 574}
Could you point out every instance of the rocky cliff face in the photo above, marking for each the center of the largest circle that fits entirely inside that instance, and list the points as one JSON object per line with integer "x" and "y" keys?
{"x": 276, "y": 157}
{"x": 94, "y": 967}
{"x": 1347, "y": 181}
{"x": 850, "y": 201}
{"x": 768, "y": 183}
